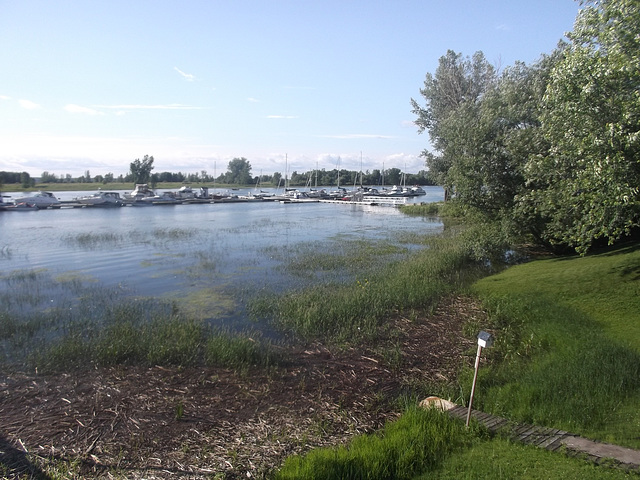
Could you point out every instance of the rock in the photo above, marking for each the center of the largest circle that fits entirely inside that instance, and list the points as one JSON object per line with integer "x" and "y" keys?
{"x": 437, "y": 402}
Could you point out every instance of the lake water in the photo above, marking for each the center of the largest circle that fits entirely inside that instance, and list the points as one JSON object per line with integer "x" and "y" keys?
{"x": 206, "y": 257}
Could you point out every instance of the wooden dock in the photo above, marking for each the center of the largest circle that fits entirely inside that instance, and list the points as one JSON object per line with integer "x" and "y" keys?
{"x": 554, "y": 439}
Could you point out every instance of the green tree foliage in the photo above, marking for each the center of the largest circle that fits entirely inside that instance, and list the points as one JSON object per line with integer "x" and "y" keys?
{"x": 47, "y": 177}
{"x": 586, "y": 187}
{"x": 26, "y": 181}
{"x": 554, "y": 146}
{"x": 140, "y": 170}
{"x": 490, "y": 157}
{"x": 450, "y": 94}
{"x": 238, "y": 172}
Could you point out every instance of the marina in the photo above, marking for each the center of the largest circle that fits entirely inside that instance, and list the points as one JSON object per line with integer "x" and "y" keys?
{"x": 143, "y": 195}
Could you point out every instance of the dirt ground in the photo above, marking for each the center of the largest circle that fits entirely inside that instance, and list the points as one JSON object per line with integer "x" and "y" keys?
{"x": 213, "y": 423}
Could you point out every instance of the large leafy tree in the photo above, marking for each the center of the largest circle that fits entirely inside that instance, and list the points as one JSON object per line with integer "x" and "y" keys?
{"x": 450, "y": 94}
{"x": 140, "y": 170}
{"x": 586, "y": 187}
{"x": 239, "y": 172}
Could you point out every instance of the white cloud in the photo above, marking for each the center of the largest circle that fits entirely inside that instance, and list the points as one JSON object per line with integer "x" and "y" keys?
{"x": 4, "y": 97}
{"x": 504, "y": 27}
{"x": 72, "y": 108}
{"x": 282, "y": 116}
{"x": 28, "y": 104}
{"x": 187, "y": 76}
{"x": 171, "y": 106}
{"x": 253, "y": 100}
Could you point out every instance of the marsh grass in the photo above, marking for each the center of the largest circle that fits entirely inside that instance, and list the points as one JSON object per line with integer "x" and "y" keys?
{"x": 417, "y": 442}
{"x": 355, "y": 310}
{"x": 168, "y": 341}
{"x": 240, "y": 351}
{"x": 5, "y": 252}
{"x": 342, "y": 257}
{"x": 97, "y": 326}
{"x": 422, "y": 209}
{"x": 158, "y": 236}
{"x": 93, "y": 240}
{"x": 568, "y": 349}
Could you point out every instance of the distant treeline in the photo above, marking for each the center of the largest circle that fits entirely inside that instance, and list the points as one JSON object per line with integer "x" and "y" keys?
{"x": 391, "y": 176}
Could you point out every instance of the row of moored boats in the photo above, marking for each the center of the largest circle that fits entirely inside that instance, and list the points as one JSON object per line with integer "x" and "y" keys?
{"x": 142, "y": 195}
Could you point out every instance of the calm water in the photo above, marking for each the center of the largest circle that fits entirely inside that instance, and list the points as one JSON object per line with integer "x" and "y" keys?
{"x": 205, "y": 256}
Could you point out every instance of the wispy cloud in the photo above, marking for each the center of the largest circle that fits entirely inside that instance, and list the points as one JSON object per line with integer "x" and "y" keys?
{"x": 4, "y": 97}
{"x": 504, "y": 27}
{"x": 187, "y": 76}
{"x": 253, "y": 100}
{"x": 170, "y": 106}
{"x": 28, "y": 104}
{"x": 72, "y": 108}
{"x": 282, "y": 116}
{"x": 348, "y": 136}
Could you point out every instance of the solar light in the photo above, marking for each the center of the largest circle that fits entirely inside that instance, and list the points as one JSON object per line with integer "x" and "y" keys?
{"x": 485, "y": 340}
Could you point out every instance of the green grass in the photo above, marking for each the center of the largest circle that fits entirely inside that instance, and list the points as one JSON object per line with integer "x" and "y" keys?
{"x": 502, "y": 459}
{"x": 568, "y": 345}
{"x": 417, "y": 442}
{"x": 427, "y": 444}
{"x": 422, "y": 209}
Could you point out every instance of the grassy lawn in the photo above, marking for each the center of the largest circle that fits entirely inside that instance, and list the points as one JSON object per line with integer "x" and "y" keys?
{"x": 568, "y": 344}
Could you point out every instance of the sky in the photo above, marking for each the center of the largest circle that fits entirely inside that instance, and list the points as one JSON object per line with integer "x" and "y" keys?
{"x": 290, "y": 85}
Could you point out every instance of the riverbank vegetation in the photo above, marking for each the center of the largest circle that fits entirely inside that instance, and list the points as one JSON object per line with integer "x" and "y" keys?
{"x": 553, "y": 147}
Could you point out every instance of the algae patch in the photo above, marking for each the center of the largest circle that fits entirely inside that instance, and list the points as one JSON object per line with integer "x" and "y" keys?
{"x": 205, "y": 303}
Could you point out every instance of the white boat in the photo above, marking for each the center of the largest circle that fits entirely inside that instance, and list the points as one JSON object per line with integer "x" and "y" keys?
{"x": 39, "y": 199}
{"x": 101, "y": 199}
{"x": 140, "y": 192}
{"x": 417, "y": 191}
{"x": 185, "y": 193}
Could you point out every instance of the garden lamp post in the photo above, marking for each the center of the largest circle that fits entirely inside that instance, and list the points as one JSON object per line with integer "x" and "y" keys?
{"x": 484, "y": 340}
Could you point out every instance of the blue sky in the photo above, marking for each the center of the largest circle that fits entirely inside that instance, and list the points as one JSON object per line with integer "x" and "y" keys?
{"x": 93, "y": 85}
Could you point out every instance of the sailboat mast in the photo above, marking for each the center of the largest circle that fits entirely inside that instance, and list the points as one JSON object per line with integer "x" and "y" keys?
{"x": 286, "y": 171}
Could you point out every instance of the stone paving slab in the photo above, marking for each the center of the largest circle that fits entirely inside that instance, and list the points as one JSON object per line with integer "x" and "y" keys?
{"x": 627, "y": 456}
